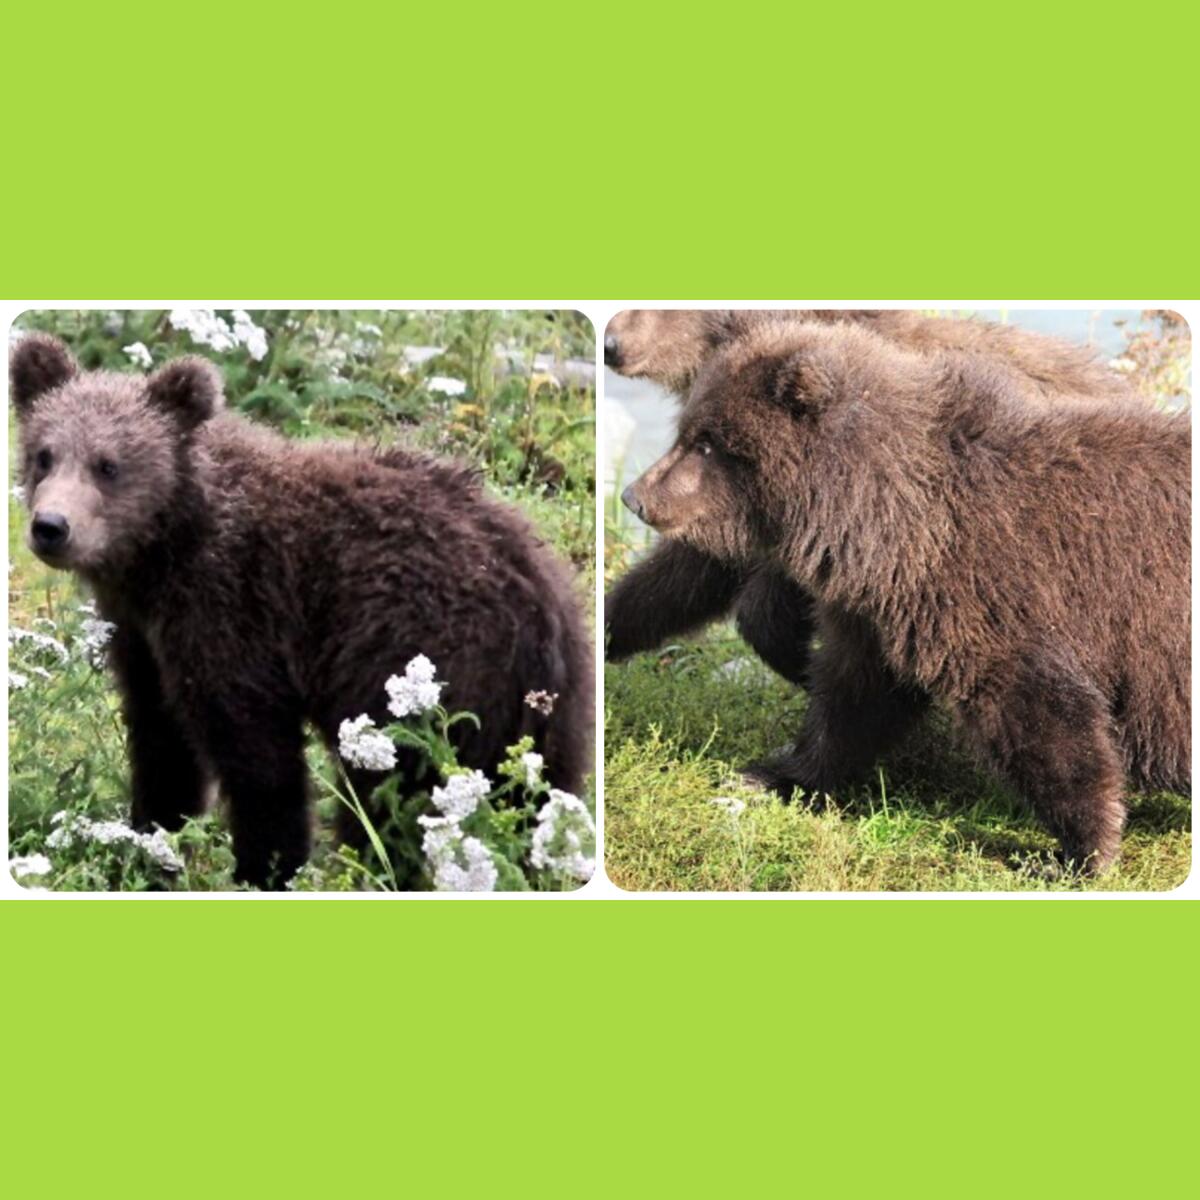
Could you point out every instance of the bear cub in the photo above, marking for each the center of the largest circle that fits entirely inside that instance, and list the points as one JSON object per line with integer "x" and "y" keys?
{"x": 257, "y": 583}
{"x": 677, "y": 589}
{"x": 1024, "y": 565}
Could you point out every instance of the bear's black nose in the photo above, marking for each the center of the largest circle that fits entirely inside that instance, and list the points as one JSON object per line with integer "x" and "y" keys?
{"x": 612, "y": 351}
{"x": 631, "y": 502}
{"x": 50, "y": 532}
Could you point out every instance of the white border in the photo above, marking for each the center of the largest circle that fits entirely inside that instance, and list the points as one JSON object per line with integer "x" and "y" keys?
{"x": 599, "y": 313}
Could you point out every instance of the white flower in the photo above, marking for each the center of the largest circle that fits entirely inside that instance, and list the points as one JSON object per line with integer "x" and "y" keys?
{"x": 31, "y": 865}
{"x": 415, "y": 692}
{"x": 445, "y": 385}
{"x": 252, "y": 336}
{"x": 461, "y": 795}
{"x": 203, "y": 326}
{"x": 731, "y": 804}
{"x": 366, "y": 327}
{"x": 564, "y": 829}
{"x": 18, "y": 493}
{"x": 139, "y": 355}
{"x": 38, "y": 642}
{"x": 542, "y": 702}
{"x": 71, "y": 829}
{"x": 477, "y": 874}
{"x": 16, "y": 681}
{"x": 160, "y": 849}
{"x": 96, "y": 634}
{"x": 533, "y": 764}
{"x": 458, "y": 863}
{"x": 361, "y": 745}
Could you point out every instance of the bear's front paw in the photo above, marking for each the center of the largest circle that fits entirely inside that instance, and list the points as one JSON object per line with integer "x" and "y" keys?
{"x": 783, "y": 774}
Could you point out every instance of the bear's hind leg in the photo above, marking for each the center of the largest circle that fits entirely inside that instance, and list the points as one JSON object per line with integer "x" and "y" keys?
{"x": 264, "y": 778}
{"x": 857, "y": 708}
{"x": 1050, "y": 733}
{"x": 775, "y": 616}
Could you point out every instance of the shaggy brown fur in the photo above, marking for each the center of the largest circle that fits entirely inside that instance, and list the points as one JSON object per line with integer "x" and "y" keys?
{"x": 257, "y": 583}
{"x": 669, "y": 346}
{"x": 674, "y": 591}
{"x": 1025, "y": 565}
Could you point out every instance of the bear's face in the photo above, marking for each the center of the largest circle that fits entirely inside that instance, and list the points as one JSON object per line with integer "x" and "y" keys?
{"x": 664, "y": 345}
{"x": 102, "y": 453}
{"x": 767, "y": 418}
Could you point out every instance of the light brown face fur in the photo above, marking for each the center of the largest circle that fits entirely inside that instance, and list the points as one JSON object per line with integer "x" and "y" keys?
{"x": 665, "y": 345}
{"x": 708, "y": 489}
{"x": 777, "y": 405}
{"x": 101, "y": 452}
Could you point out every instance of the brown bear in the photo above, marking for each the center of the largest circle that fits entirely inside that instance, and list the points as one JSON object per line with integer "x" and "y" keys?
{"x": 1025, "y": 565}
{"x": 258, "y": 583}
{"x": 675, "y": 589}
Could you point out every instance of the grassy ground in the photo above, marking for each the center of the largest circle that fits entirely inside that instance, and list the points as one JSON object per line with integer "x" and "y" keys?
{"x": 679, "y": 724}
{"x": 531, "y": 438}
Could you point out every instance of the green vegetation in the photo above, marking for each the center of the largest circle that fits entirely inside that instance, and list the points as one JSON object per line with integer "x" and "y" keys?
{"x": 501, "y": 394}
{"x": 680, "y": 723}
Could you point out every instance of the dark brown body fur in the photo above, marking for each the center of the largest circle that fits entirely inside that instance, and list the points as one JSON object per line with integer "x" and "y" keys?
{"x": 1025, "y": 565}
{"x": 273, "y": 582}
{"x": 675, "y": 590}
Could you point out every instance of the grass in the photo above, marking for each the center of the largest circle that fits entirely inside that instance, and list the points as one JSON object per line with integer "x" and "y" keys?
{"x": 531, "y": 437}
{"x": 680, "y": 723}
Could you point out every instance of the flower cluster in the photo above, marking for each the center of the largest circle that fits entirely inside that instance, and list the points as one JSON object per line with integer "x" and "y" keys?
{"x": 542, "y": 702}
{"x": 39, "y": 643}
{"x": 95, "y": 635}
{"x": 205, "y": 328}
{"x": 458, "y": 863}
{"x": 564, "y": 830}
{"x": 74, "y": 828}
{"x": 533, "y": 764}
{"x": 363, "y": 746}
{"x": 139, "y": 355}
{"x": 460, "y": 796}
{"x": 415, "y": 691}
{"x": 30, "y": 866}
{"x": 445, "y": 385}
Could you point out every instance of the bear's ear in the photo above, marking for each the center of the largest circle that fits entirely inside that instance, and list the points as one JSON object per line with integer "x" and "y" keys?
{"x": 186, "y": 389}
{"x": 801, "y": 382}
{"x": 40, "y": 363}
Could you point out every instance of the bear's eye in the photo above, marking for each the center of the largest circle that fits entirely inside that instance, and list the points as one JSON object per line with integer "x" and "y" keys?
{"x": 43, "y": 460}
{"x": 107, "y": 469}
{"x": 703, "y": 446}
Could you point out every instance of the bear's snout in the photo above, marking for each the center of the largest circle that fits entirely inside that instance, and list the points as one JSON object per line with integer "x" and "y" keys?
{"x": 612, "y": 351}
{"x": 50, "y": 532}
{"x": 631, "y": 500}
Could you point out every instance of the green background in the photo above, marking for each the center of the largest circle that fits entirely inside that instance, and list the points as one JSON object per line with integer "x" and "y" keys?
{"x": 857, "y": 1048}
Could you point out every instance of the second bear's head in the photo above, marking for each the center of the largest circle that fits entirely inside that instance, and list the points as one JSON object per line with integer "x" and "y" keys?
{"x": 103, "y": 454}
{"x": 784, "y": 429}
